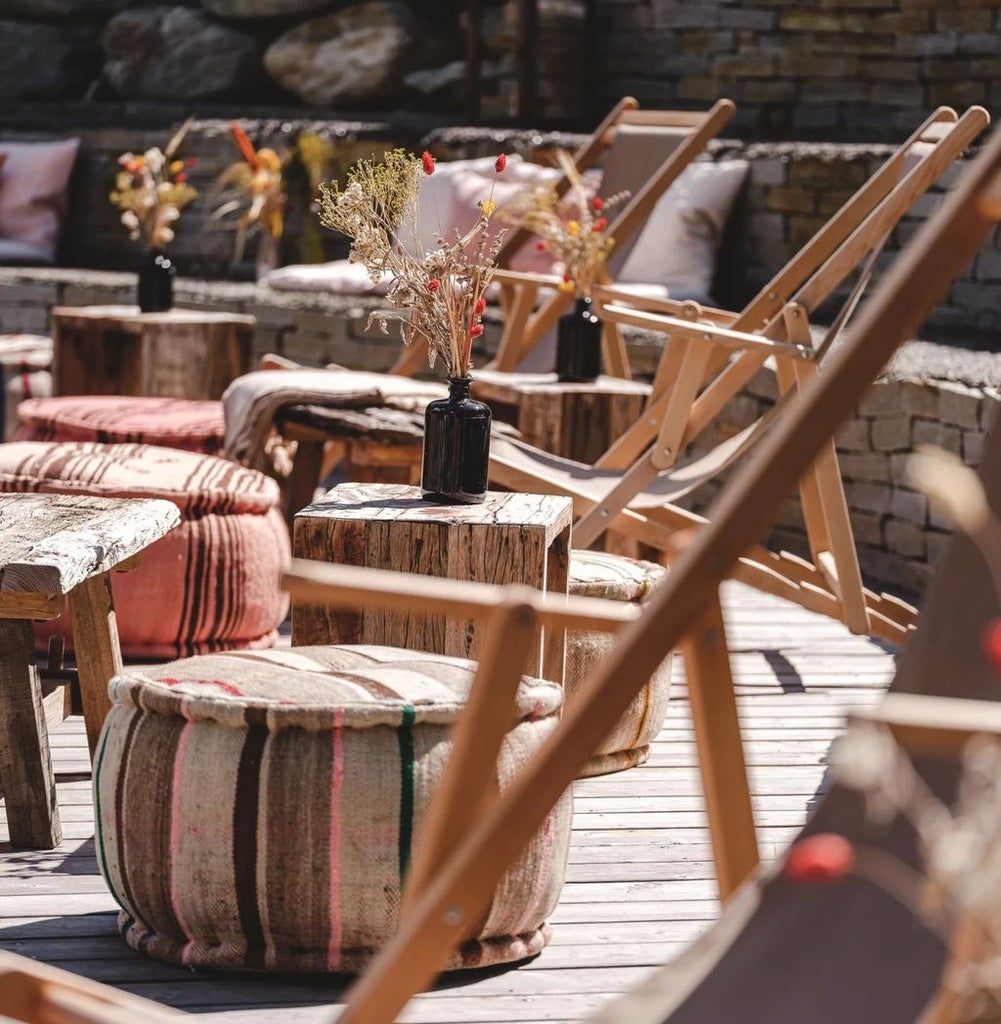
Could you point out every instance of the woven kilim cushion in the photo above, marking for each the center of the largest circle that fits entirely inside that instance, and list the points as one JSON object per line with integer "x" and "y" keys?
{"x": 258, "y": 810}
{"x": 209, "y": 585}
{"x": 113, "y": 419}
{"x": 616, "y": 578}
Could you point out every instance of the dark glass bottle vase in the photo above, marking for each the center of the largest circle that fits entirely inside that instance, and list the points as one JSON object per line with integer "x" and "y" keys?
{"x": 578, "y": 344}
{"x": 456, "y": 447}
{"x": 156, "y": 282}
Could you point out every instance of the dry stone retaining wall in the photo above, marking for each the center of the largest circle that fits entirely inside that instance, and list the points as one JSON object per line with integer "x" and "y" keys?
{"x": 899, "y": 537}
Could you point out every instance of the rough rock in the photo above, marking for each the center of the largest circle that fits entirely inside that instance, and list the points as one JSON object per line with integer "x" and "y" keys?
{"x": 39, "y": 60}
{"x": 59, "y": 8}
{"x": 262, "y": 8}
{"x": 359, "y": 53}
{"x": 177, "y": 53}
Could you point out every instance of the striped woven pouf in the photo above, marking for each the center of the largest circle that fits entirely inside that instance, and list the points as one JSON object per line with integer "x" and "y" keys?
{"x": 116, "y": 419}
{"x": 209, "y": 585}
{"x": 616, "y": 578}
{"x": 258, "y": 811}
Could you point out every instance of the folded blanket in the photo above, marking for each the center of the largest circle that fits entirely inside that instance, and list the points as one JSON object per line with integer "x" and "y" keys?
{"x": 251, "y": 401}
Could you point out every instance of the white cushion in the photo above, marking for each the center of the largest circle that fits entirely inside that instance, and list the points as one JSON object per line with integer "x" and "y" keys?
{"x": 339, "y": 276}
{"x": 677, "y": 246}
{"x": 33, "y": 183}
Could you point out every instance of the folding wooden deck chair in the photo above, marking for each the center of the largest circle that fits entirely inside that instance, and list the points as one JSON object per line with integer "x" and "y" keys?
{"x": 440, "y": 905}
{"x": 633, "y": 487}
{"x": 642, "y": 152}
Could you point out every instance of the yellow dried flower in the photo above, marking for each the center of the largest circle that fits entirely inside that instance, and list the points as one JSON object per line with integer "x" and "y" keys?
{"x": 487, "y": 206}
{"x": 573, "y": 228}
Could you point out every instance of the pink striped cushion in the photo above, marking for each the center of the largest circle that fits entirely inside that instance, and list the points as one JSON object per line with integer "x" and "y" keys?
{"x": 112, "y": 419}
{"x": 209, "y": 585}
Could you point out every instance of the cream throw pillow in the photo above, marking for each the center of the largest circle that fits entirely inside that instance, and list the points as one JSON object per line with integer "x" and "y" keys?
{"x": 33, "y": 195}
{"x": 676, "y": 248}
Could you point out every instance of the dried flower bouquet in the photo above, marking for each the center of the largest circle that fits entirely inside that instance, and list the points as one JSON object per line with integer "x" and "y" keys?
{"x": 152, "y": 188}
{"x": 442, "y": 292}
{"x": 252, "y": 188}
{"x": 572, "y": 227}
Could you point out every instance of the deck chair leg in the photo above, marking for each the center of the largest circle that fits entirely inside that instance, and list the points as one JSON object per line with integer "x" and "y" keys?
{"x": 720, "y": 749}
{"x": 303, "y": 479}
{"x": 613, "y": 347}
{"x": 469, "y": 783}
{"x": 516, "y": 317}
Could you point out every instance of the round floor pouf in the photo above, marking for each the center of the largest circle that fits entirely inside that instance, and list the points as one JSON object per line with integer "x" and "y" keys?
{"x": 259, "y": 811}
{"x": 210, "y": 584}
{"x": 114, "y": 419}
{"x": 616, "y": 578}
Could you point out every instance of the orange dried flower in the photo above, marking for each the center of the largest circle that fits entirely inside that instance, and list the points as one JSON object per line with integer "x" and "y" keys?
{"x": 476, "y": 330}
{"x": 500, "y": 163}
{"x": 597, "y": 203}
{"x": 600, "y": 224}
{"x": 434, "y": 284}
{"x": 427, "y": 161}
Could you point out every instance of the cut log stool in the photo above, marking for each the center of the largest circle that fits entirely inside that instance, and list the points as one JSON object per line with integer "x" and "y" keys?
{"x": 180, "y": 353}
{"x": 510, "y": 538}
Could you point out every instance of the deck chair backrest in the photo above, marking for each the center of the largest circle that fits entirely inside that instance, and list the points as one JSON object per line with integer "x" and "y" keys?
{"x": 642, "y": 152}
{"x": 744, "y": 510}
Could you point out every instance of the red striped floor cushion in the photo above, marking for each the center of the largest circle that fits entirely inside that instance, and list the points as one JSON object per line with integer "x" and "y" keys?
{"x": 616, "y": 578}
{"x": 258, "y": 810}
{"x": 113, "y": 419}
{"x": 209, "y": 585}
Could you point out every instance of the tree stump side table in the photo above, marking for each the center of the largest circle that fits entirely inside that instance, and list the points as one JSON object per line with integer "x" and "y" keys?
{"x": 181, "y": 353}
{"x": 574, "y": 421}
{"x": 58, "y": 550}
{"x": 510, "y": 538}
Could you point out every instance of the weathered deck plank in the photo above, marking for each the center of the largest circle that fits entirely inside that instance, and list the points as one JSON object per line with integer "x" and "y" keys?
{"x": 640, "y": 879}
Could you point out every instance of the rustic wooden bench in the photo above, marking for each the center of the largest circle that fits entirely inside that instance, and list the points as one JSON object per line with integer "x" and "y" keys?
{"x": 57, "y": 551}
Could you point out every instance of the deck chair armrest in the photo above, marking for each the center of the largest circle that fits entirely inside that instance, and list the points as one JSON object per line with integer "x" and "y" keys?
{"x": 356, "y": 586}
{"x": 714, "y": 334}
{"x": 519, "y": 277}
{"x": 925, "y": 724}
{"x": 607, "y": 294}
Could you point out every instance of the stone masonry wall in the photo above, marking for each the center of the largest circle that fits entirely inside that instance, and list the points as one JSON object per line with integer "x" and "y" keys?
{"x": 846, "y": 70}
{"x": 899, "y": 537}
{"x": 791, "y": 190}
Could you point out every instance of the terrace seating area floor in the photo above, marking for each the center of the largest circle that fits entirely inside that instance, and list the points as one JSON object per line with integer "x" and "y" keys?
{"x": 640, "y": 882}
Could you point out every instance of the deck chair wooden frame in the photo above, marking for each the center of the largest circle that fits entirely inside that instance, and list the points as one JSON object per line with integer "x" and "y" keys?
{"x": 706, "y": 363}
{"x": 524, "y": 325}
{"x": 437, "y": 919}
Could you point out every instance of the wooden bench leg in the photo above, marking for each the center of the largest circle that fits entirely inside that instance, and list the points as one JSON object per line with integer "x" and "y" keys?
{"x": 98, "y": 655}
{"x": 720, "y": 749}
{"x": 25, "y": 761}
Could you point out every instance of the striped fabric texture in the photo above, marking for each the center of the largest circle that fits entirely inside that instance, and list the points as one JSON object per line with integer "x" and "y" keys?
{"x": 616, "y": 578}
{"x": 211, "y": 584}
{"x": 258, "y": 810}
{"x": 113, "y": 419}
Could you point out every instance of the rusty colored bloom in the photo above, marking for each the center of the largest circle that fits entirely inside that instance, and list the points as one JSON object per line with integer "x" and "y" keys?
{"x": 243, "y": 144}
{"x": 427, "y": 162}
{"x": 598, "y": 204}
{"x": 500, "y": 163}
{"x": 434, "y": 284}
{"x": 476, "y": 330}
{"x": 600, "y": 224}
{"x": 481, "y": 304}
{"x": 826, "y": 857}
{"x": 540, "y": 246}
{"x": 990, "y": 641}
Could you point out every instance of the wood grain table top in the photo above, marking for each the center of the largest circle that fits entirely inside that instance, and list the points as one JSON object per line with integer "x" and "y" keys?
{"x": 130, "y": 315}
{"x": 50, "y": 543}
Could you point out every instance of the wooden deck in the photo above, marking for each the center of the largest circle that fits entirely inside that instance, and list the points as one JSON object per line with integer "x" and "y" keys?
{"x": 640, "y": 883}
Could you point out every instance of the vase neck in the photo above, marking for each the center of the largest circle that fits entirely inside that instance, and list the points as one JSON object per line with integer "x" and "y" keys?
{"x": 582, "y": 304}
{"x": 458, "y": 388}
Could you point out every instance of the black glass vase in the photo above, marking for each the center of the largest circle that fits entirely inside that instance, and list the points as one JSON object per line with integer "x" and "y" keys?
{"x": 456, "y": 447}
{"x": 578, "y": 344}
{"x": 156, "y": 282}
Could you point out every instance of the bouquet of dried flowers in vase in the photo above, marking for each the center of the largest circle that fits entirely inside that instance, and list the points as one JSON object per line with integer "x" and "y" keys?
{"x": 573, "y": 227}
{"x": 152, "y": 188}
{"x": 252, "y": 188}
{"x": 441, "y": 293}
